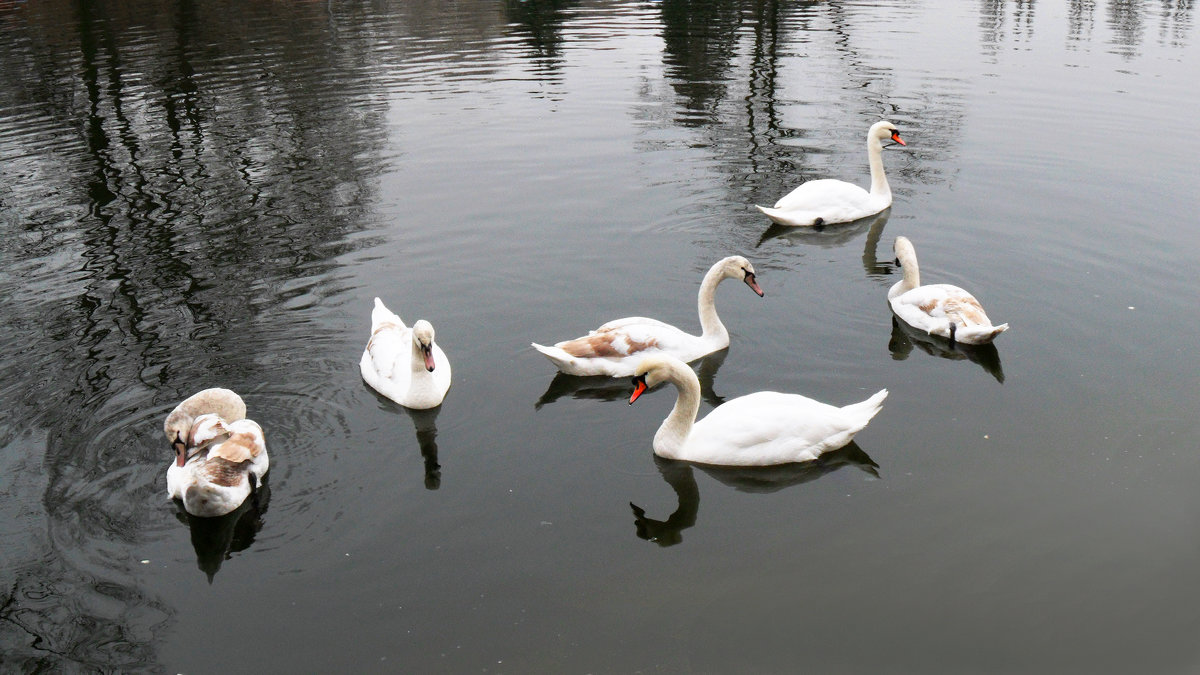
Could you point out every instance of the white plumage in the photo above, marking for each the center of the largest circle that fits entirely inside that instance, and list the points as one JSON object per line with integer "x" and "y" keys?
{"x": 759, "y": 429}
{"x": 938, "y": 309}
{"x": 827, "y": 201}
{"x": 615, "y": 348}
{"x": 402, "y": 363}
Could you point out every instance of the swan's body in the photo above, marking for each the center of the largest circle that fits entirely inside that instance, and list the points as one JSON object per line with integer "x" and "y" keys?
{"x": 938, "y": 309}
{"x": 222, "y": 468}
{"x": 402, "y": 363}
{"x": 760, "y": 429}
{"x": 615, "y": 348}
{"x": 827, "y": 201}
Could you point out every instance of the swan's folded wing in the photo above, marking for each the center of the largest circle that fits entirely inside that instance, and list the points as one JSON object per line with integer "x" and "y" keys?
{"x": 617, "y": 324}
{"x": 386, "y": 347}
{"x": 816, "y": 195}
{"x": 627, "y": 339}
{"x": 944, "y": 301}
{"x": 767, "y": 428}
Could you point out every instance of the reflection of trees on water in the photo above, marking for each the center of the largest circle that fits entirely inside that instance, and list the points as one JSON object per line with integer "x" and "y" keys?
{"x": 203, "y": 162}
{"x": 539, "y": 22}
{"x": 723, "y": 63}
{"x": 1126, "y": 18}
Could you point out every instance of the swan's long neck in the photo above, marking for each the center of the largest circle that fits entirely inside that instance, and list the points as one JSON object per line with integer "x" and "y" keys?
{"x": 669, "y": 439}
{"x": 710, "y": 323}
{"x": 908, "y": 265}
{"x": 879, "y": 184}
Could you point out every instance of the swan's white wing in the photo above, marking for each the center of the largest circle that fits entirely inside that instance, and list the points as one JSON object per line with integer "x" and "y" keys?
{"x": 823, "y": 194}
{"x": 616, "y": 324}
{"x": 768, "y": 428}
{"x": 390, "y": 347}
{"x": 932, "y": 308}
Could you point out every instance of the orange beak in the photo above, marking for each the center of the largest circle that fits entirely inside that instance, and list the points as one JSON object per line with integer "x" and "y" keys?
{"x": 639, "y": 388}
{"x": 896, "y": 137}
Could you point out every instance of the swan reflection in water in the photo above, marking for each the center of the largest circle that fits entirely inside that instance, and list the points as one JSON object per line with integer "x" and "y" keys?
{"x": 905, "y": 337}
{"x": 757, "y": 479}
{"x": 839, "y": 234}
{"x": 216, "y": 539}
{"x": 425, "y": 422}
{"x": 611, "y": 389}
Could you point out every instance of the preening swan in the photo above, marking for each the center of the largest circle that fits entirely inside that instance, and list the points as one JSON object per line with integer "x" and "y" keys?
{"x": 938, "y": 309}
{"x": 760, "y": 429}
{"x": 224, "y": 464}
{"x": 223, "y": 403}
{"x": 827, "y": 201}
{"x": 402, "y": 363}
{"x": 615, "y": 348}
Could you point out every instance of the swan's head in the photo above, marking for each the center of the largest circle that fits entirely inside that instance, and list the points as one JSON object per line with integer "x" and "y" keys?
{"x": 422, "y": 333}
{"x": 904, "y": 250}
{"x": 737, "y": 267}
{"x": 223, "y": 403}
{"x": 885, "y": 130}
{"x": 205, "y": 430}
{"x": 651, "y": 372}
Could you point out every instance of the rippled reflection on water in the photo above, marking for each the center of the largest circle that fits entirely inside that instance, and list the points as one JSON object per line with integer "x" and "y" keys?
{"x": 201, "y": 194}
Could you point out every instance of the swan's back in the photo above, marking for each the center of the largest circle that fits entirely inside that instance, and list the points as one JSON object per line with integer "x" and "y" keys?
{"x": 767, "y": 428}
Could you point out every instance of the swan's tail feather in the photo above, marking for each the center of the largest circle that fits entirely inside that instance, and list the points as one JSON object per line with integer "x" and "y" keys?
{"x": 380, "y": 314}
{"x": 781, "y": 217}
{"x": 865, "y": 410}
{"x": 556, "y": 355}
{"x": 978, "y": 335}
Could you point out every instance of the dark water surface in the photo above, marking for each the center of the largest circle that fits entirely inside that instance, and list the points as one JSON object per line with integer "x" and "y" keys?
{"x": 199, "y": 194}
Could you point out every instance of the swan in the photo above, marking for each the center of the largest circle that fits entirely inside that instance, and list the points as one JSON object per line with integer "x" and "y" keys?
{"x": 224, "y": 464}
{"x": 615, "y": 348}
{"x": 760, "y": 429}
{"x": 827, "y": 201}
{"x": 224, "y": 403}
{"x": 938, "y": 309}
{"x": 404, "y": 364}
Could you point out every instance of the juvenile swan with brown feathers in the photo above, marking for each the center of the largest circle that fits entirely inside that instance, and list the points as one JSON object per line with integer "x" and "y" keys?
{"x": 615, "y": 348}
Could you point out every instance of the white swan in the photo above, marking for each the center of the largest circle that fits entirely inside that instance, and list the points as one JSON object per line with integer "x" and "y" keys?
{"x": 404, "y": 364}
{"x": 223, "y": 403}
{"x": 615, "y": 348}
{"x": 938, "y": 309}
{"x": 760, "y": 429}
{"x": 827, "y": 201}
{"x": 225, "y": 463}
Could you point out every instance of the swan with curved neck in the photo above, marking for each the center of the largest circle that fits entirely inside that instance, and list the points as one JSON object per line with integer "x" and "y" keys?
{"x": 402, "y": 363}
{"x": 938, "y": 309}
{"x": 827, "y": 201}
{"x": 224, "y": 403}
{"x": 759, "y": 429}
{"x": 615, "y": 348}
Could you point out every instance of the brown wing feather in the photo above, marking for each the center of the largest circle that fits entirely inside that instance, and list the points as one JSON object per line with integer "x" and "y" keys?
{"x": 223, "y": 472}
{"x": 603, "y": 345}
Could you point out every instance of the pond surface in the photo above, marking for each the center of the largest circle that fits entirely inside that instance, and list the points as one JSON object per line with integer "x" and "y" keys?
{"x": 211, "y": 194}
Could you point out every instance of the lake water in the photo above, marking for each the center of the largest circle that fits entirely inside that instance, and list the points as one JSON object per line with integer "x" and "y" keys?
{"x": 211, "y": 194}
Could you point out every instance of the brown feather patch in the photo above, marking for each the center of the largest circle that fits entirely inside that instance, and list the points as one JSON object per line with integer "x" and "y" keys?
{"x": 606, "y": 345}
{"x": 224, "y": 473}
